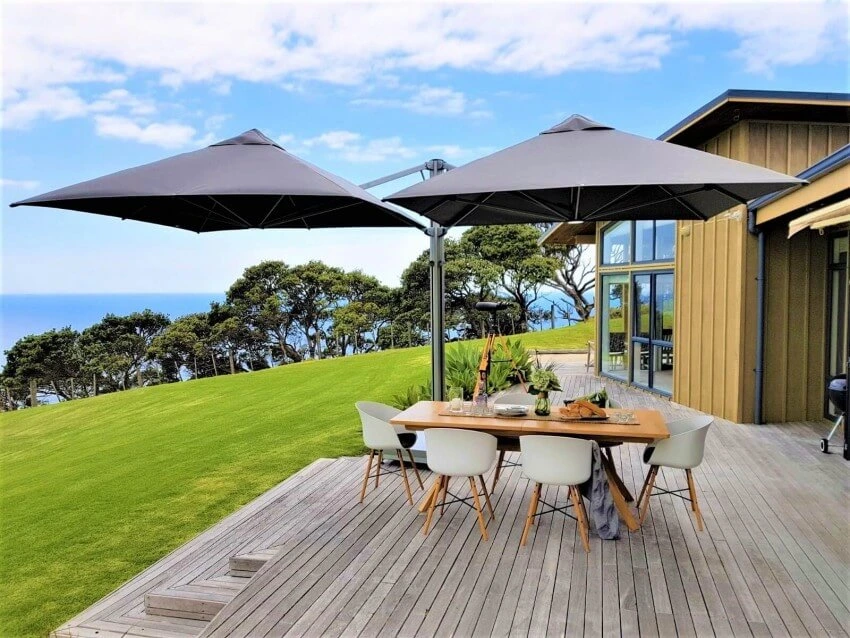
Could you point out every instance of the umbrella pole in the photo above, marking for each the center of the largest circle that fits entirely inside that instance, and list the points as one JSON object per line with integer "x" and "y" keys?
{"x": 437, "y": 234}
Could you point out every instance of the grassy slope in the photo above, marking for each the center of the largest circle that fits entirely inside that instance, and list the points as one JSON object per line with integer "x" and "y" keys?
{"x": 93, "y": 491}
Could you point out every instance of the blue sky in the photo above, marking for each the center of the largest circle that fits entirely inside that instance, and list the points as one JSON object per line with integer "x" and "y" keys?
{"x": 361, "y": 90}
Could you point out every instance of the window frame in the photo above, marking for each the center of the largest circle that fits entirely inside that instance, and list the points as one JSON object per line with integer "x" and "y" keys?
{"x": 632, "y": 226}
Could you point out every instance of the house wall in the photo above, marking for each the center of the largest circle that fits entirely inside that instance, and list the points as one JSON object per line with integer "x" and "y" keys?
{"x": 710, "y": 330}
{"x": 795, "y": 323}
{"x": 716, "y": 267}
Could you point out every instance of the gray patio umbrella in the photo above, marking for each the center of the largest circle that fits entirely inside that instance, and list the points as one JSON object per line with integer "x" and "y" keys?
{"x": 583, "y": 170}
{"x": 247, "y": 181}
{"x": 579, "y": 170}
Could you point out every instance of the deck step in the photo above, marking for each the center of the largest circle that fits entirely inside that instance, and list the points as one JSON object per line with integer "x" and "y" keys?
{"x": 246, "y": 565}
{"x": 196, "y": 601}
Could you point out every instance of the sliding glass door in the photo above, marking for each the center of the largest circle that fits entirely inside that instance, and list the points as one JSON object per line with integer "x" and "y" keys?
{"x": 614, "y": 314}
{"x": 652, "y": 336}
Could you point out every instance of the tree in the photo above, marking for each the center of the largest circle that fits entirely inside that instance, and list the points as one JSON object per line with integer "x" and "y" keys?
{"x": 575, "y": 276}
{"x": 262, "y": 300}
{"x": 52, "y": 358}
{"x": 188, "y": 343}
{"x": 116, "y": 347}
{"x": 520, "y": 266}
{"x": 315, "y": 293}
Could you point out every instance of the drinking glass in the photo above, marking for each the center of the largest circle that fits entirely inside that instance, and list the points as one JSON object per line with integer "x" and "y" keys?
{"x": 455, "y": 399}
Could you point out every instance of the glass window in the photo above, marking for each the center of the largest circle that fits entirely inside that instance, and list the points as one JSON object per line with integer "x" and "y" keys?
{"x": 616, "y": 243}
{"x": 640, "y": 355}
{"x": 614, "y": 315}
{"x": 644, "y": 242}
{"x": 665, "y": 239}
{"x": 664, "y": 308}
{"x": 642, "y": 306}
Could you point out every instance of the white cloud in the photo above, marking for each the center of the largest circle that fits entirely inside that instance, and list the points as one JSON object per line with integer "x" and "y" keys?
{"x": 54, "y": 103}
{"x": 24, "y": 184}
{"x": 351, "y": 146}
{"x": 166, "y": 135}
{"x": 288, "y": 44}
{"x": 431, "y": 100}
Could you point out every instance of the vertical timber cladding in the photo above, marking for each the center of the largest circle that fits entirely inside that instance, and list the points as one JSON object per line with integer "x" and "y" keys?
{"x": 796, "y": 278}
{"x": 795, "y": 321}
{"x": 709, "y": 370}
{"x": 716, "y": 266}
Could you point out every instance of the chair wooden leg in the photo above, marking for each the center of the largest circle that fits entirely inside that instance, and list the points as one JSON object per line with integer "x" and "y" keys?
{"x": 366, "y": 476}
{"x": 378, "y": 472}
{"x": 498, "y": 471}
{"x": 415, "y": 469}
{"x": 481, "y": 524}
{"x": 532, "y": 508}
{"x": 643, "y": 489}
{"x": 653, "y": 472}
{"x": 445, "y": 491}
{"x": 581, "y": 515}
{"x": 487, "y": 498}
{"x": 404, "y": 477}
{"x": 437, "y": 482}
{"x": 694, "y": 503}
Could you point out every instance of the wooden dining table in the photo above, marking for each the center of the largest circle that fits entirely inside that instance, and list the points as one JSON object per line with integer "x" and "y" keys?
{"x": 649, "y": 426}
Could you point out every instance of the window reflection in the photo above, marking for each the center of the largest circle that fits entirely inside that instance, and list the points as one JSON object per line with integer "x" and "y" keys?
{"x": 616, "y": 244}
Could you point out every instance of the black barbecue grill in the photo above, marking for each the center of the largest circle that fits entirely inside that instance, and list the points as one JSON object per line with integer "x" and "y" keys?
{"x": 837, "y": 393}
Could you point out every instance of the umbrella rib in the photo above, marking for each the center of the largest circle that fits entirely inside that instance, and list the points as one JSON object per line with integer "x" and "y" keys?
{"x": 234, "y": 215}
{"x": 503, "y": 209}
{"x": 303, "y": 216}
{"x": 598, "y": 213}
{"x": 271, "y": 210}
{"x": 612, "y": 202}
{"x": 729, "y": 194}
{"x": 209, "y": 212}
{"x": 545, "y": 206}
{"x": 687, "y": 206}
{"x": 454, "y": 221}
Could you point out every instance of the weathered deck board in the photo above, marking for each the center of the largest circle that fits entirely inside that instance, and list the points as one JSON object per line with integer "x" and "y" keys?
{"x": 773, "y": 560}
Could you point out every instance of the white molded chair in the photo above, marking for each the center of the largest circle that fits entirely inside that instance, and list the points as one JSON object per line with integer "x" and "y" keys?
{"x": 508, "y": 444}
{"x": 380, "y": 436}
{"x": 557, "y": 460}
{"x": 684, "y": 451}
{"x": 459, "y": 453}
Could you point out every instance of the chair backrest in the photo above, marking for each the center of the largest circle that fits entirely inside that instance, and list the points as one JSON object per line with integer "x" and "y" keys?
{"x": 556, "y": 460}
{"x": 515, "y": 398}
{"x": 686, "y": 446}
{"x": 454, "y": 452}
{"x": 378, "y": 433}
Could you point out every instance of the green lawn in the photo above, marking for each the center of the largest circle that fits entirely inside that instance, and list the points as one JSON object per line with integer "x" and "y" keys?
{"x": 95, "y": 490}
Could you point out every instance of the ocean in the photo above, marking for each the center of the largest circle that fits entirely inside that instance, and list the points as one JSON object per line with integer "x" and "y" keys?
{"x": 21, "y": 315}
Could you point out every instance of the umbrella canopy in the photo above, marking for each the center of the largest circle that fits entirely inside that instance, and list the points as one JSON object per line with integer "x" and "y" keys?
{"x": 247, "y": 181}
{"x": 583, "y": 170}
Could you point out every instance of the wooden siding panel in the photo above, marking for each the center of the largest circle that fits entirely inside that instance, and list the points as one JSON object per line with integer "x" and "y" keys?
{"x": 818, "y": 142}
{"x": 817, "y": 326}
{"x": 757, "y": 151}
{"x": 777, "y": 147}
{"x": 698, "y": 379}
{"x": 838, "y": 136}
{"x": 776, "y": 302}
{"x": 798, "y": 148}
{"x": 795, "y": 325}
{"x": 710, "y": 316}
{"x": 720, "y": 291}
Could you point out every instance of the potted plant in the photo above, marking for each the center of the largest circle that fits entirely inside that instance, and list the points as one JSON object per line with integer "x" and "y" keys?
{"x": 543, "y": 381}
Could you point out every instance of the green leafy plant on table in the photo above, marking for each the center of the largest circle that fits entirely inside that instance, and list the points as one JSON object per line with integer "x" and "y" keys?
{"x": 543, "y": 381}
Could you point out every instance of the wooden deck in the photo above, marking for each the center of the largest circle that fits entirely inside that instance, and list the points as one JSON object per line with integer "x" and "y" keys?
{"x": 305, "y": 559}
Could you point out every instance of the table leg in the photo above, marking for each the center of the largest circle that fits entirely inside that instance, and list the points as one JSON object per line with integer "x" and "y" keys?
{"x": 430, "y": 495}
{"x": 613, "y": 474}
{"x": 619, "y": 500}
